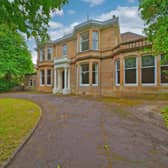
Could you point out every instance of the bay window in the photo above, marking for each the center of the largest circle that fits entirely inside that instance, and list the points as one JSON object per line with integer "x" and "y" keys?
{"x": 84, "y": 41}
{"x": 42, "y": 77}
{"x": 49, "y": 53}
{"x": 131, "y": 70}
{"x": 95, "y": 40}
{"x": 148, "y": 69}
{"x": 48, "y": 76}
{"x": 42, "y": 55}
{"x": 164, "y": 70}
{"x": 117, "y": 72}
{"x": 95, "y": 73}
{"x": 84, "y": 74}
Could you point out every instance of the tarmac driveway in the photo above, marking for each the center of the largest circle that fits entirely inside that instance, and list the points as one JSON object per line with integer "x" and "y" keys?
{"x": 77, "y": 132}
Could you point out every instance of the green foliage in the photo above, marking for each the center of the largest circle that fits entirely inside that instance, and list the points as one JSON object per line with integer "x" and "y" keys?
{"x": 155, "y": 15}
{"x": 165, "y": 115}
{"x": 30, "y": 17}
{"x": 15, "y": 58}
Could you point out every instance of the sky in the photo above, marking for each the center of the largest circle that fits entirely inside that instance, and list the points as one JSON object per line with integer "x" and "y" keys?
{"x": 77, "y": 11}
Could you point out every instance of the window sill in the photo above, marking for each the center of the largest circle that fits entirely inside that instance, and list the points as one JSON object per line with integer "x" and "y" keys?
{"x": 129, "y": 84}
{"x": 90, "y": 50}
{"x": 95, "y": 85}
{"x": 149, "y": 84}
{"x": 117, "y": 84}
{"x": 84, "y": 84}
{"x": 163, "y": 84}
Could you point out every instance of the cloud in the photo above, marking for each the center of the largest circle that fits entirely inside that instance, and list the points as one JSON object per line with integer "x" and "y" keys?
{"x": 93, "y": 3}
{"x": 128, "y": 16}
{"x": 71, "y": 12}
{"x": 55, "y": 25}
{"x": 131, "y": 1}
{"x": 56, "y": 12}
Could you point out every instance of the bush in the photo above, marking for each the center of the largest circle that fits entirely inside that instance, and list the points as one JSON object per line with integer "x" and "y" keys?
{"x": 6, "y": 85}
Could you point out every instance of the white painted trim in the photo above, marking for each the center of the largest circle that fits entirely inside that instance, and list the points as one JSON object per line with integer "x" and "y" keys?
{"x": 87, "y": 84}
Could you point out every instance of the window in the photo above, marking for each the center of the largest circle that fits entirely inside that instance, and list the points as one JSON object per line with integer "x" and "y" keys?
{"x": 49, "y": 53}
{"x": 84, "y": 41}
{"x": 49, "y": 77}
{"x": 164, "y": 70}
{"x": 30, "y": 82}
{"x": 84, "y": 74}
{"x": 130, "y": 70}
{"x": 95, "y": 73}
{"x": 148, "y": 69}
{"x": 95, "y": 40}
{"x": 42, "y": 78}
{"x": 64, "y": 50}
{"x": 42, "y": 56}
{"x": 117, "y": 72}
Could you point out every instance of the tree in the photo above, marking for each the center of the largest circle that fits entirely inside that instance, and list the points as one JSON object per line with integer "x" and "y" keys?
{"x": 155, "y": 15}
{"x": 15, "y": 58}
{"x": 29, "y": 16}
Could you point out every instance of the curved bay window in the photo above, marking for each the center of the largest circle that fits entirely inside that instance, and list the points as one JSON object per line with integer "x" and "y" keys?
{"x": 84, "y": 41}
{"x": 49, "y": 54}
{"x": 148, "y": 67}
{"x": 131, "y": 70}
{"x": 164, "y": 70}
{"x": 84, "y": 74}
{"x": 64, "y": 50}
{"x": 117, "y": 72}
{"x": 95, "y": 73}
{"x": 49, "y": 73}
{"x": 95, "y": 40}
{"x": 42, "y": 55}
{"x": 42, "y": 77}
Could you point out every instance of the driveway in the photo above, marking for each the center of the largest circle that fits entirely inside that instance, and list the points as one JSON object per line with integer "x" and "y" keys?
{"x": 77, "y": 132}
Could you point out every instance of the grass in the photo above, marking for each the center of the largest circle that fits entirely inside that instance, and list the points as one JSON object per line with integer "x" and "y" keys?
{"x": 165, "y": 115}
{"x": 17, "y": 118}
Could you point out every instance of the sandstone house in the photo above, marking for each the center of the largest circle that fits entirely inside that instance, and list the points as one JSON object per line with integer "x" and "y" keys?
{"x": 96, "y": 59}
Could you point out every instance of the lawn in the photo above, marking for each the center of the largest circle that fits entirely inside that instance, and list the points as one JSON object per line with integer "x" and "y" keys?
{"x": 17, "y": 118}
{"x": 165, "y": 115}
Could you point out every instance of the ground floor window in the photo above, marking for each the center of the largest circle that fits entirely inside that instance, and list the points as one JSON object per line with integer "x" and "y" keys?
{"x": 148, "y": 69}
{"x": 164, "y": 70}
{"x": 49, "y": 77}
{"x": 84, "y": 74}
{"x": 130, "y": 70}
{"x": 30, "y": 82}
{"x": 117, "y": 72}
{"x": 42, "y": 77}
{"x": 95, "y": 73}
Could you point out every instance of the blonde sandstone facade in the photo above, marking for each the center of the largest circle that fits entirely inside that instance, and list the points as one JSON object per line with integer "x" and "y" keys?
{"x": 97, "y": 60}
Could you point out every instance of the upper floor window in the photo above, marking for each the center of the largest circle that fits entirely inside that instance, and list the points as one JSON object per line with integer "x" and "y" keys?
{"x": 164, "y": 70}
{"x": 131, "y": 70}
{"x": 95, "y": 73}
{"x": 64, "y": 50}
{"x": 84, "y": 41}
{"x": 49, "y": 53}
{"x": 117, "y": 72}
{"x": 95, "y": 40}
{"x": 42, "y": 55}
{"x": 148, "y": 68}
{"x": 84, "y": 74}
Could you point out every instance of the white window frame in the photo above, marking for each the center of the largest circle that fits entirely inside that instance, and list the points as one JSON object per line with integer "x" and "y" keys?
{"x": 94, "y": 40}
{"x": 41, "y": 77}
{"x": 50, "y": 77}
{"x": 131, "y": 84}
{"x": 162, "y": 84}
{"x": 96, "y": 74}
{"x": 116, "y": 72}
{"x": 155, "y": 72}
{"x": 49, "y": 49}
{"x": 81, "y": 84}
{"x": 64, "y": 47}
{"x": 81, "y": 41}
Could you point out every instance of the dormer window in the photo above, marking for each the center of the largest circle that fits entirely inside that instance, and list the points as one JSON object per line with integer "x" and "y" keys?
{"x": 49, "y": 53}
{"x": 64, "y": 50}
{"x": 42, "y": 56}
{"x": 95, "y": 40}
{"x": 84, "y": 41}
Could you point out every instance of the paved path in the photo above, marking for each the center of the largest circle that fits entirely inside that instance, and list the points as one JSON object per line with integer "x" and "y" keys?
{"x": 83, "y": 133}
